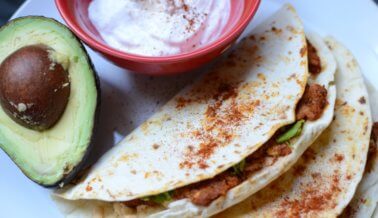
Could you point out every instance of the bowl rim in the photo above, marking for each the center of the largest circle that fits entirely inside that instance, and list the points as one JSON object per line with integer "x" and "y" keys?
{"x": 223, "y": 41}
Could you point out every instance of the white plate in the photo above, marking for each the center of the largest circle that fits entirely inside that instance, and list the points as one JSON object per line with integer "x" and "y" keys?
{"x": 128, "y": 99}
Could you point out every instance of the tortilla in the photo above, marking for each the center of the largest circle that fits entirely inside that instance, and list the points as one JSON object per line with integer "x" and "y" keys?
{"x": 324, "y": 180}
{"x": 259, "y": 179}
{"x": 263, "y": 72}
{"x": 211, "y": 125}
{"x": 366, "y": 198}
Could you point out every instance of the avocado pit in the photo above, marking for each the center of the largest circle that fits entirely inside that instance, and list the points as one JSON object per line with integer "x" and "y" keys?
{"x": 34, "y": 87}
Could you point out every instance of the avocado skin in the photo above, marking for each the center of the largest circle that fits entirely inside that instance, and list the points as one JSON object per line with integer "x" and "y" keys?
{"x": 68, "y": 177}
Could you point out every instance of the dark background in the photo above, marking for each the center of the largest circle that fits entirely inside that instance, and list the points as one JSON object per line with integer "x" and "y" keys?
{"x": 8, "y": 7}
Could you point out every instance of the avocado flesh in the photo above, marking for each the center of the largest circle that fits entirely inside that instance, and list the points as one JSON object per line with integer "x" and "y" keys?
{"x": 51, "y": 156}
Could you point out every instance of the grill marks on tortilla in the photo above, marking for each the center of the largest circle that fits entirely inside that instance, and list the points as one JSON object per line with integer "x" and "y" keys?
{"x": 223, "y": 115}
{"x": 216, "y": 132}
{"x": 310, "y": 107}
{"x": 362, "y": 100}
{"x": 226, "y": 111}
{"x": 303, "y": 51}
{"x": 306, "y": 190}
{"x": 353, "y": 208}
{"x": 203, "y": 193}
{"x": 217, "y": 119}
{"x": 315, "y": 196}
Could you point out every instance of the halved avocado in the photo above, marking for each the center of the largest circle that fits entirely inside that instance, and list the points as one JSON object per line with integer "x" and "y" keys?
{"x": 49, "y": 94}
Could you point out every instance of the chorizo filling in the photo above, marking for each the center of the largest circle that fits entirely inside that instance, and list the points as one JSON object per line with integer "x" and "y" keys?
{"x": 314, "y": 63}
{"x": 310, "y": 107}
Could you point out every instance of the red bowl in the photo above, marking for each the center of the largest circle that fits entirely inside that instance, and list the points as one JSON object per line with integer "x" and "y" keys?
{"x": 75, "y": 14}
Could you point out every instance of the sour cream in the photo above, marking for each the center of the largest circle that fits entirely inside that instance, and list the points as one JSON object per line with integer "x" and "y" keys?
{"x": 159, "y": 27}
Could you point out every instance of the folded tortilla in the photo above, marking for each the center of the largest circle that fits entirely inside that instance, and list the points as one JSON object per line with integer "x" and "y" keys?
{"x": 324, "y": 180}
{"x": 211, "y": 126}
{"x": 366, "y": 198}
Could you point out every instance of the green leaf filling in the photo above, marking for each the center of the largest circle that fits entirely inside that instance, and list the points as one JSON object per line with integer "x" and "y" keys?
{"x": 294, "y": 131}
{"x": 160, "y": 198}
{"x": 239, "y": 168}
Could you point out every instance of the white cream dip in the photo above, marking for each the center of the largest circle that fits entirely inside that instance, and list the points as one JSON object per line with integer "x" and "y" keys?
{"x": 159, "y": 27}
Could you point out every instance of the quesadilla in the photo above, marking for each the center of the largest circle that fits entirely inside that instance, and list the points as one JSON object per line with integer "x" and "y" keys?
{"x": 366, "y": 198}
{"x": 224, "y": 137}
{"x": 324, "y": 180}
